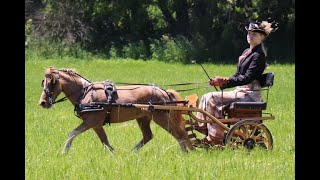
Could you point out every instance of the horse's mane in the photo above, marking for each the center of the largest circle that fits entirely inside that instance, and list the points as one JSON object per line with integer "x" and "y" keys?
{"x": 73, "y": 72}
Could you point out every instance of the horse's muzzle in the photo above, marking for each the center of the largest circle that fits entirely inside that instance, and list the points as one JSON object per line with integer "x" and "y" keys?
{"x": 44, "y": 104}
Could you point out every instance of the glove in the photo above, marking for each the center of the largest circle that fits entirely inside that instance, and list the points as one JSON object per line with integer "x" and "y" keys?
{"x": 218, "y": 81}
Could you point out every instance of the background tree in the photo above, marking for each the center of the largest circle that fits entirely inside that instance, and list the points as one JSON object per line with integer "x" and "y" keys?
{"x": 168, "y": 30}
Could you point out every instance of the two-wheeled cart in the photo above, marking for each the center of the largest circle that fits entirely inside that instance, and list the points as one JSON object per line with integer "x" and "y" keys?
{"x": 243, "y": 122}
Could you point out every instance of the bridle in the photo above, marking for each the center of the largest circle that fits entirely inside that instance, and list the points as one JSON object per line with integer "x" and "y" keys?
{"x": 48, "y": 89}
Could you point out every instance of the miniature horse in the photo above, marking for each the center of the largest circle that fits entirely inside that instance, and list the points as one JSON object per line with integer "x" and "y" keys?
{"x": 80, "y": 91}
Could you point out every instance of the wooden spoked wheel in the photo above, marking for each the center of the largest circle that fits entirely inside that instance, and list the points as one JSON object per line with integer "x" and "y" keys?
{"x": 249, "y": 134}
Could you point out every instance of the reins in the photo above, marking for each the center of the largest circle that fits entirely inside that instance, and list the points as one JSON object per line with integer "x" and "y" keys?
{"x": 178, "y": 84}
{"x": 148, "y": 84}
{"x": 110, "y": 89}
{"x": 140, "y": 84}
{"x": 145, "y": 84}
{"x": 60, "y": 100}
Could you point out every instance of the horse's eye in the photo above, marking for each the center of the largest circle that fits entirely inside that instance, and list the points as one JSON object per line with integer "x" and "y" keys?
{"x": 42, "y": 83}
{"x": 48, "y": 75}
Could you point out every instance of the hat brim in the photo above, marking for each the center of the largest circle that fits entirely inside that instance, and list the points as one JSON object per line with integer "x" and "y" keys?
{"x": 256, "y": 30}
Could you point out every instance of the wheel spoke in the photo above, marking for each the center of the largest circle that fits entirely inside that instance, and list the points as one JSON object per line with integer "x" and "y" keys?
{"x": 258, "y": 136}
{"x": 253, "y": 131}
{"x": 238, "y": 133}
{"x": 236, "y": 139}
{"x": 261, "y": 139}
{"x": 260, "y": 142}
{"x": 233, "y": 145}
{"x": 245, "y": 131}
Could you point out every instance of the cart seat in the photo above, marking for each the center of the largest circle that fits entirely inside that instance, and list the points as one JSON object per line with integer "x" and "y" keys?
{"x": 248, "y": 105}
{"x": 266, "y": 82}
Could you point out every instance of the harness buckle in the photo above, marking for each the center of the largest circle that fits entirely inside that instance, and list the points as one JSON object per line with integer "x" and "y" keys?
{"x": 151, "y": 107}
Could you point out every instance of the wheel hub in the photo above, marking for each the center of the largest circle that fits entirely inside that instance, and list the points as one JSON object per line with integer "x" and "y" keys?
{"x": 249, "y": 143}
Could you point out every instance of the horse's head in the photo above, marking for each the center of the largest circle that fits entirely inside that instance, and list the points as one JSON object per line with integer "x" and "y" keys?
{"x": 51, "y": 87}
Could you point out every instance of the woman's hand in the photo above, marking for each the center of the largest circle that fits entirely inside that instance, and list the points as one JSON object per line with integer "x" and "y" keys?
{"x": 218, "y": 81}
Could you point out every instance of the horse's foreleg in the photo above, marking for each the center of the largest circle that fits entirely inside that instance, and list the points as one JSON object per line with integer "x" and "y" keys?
{"x": 103, "y": 138}
{"x": 144, "y": 125}
{"x": 80, "y": 129}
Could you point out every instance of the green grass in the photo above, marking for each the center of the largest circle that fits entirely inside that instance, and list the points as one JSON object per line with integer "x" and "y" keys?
{"x": 46, "y": 130}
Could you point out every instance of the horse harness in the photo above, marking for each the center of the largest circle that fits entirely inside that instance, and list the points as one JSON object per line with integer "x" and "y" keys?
{"x": 110, "y": 91}
{"x": 111, "y": 94}
{"x": 79, "y": 108}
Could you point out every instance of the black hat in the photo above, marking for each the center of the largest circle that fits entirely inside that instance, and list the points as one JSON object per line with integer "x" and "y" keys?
{"x": 263, "y": 27}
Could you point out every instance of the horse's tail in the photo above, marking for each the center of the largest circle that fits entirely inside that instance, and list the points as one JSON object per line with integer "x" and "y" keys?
{"x": 180, "y": 121}
{"x": 174, "y": 95}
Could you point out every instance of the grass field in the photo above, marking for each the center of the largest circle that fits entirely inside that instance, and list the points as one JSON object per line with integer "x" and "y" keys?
{"x": 46, "y": 130}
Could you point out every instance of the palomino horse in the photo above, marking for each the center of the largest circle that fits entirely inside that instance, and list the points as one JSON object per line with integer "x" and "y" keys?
{"x": 80, "y": 92}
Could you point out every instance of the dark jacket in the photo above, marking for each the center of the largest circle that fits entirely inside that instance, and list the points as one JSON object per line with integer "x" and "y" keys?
{"x": 249, "y": 69}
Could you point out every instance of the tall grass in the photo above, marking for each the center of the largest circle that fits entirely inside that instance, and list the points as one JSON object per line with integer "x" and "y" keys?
{"x": 46, "y": 130}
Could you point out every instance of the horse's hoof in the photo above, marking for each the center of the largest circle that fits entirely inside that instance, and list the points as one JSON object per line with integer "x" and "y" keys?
{"x": 65, "y": 151}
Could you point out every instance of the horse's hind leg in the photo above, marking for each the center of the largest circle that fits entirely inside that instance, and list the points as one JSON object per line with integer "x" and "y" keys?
{"x": 144, "y": 124}
{"x": 172, "y": 124}
{"x": 80, "y": 129}
{"x": 103, "y": 137}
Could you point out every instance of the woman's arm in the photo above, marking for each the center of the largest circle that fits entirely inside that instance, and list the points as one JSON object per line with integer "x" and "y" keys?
{"x": 254, "y": 70}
